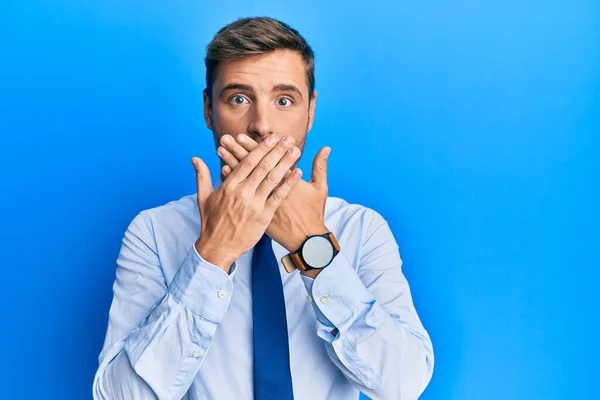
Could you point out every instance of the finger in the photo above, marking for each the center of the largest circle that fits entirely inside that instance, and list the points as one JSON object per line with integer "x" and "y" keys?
{"x": 283, "y": 191}
{"x": 227, "y": 157}
{"x": 234, "y": 147}
{"x": 267, "y": 163}
{"x": 287, "y": 173}
{"x": 250, "y": 162}
{"x": 246, "y": 142}
{"x": 226, "y": 170}
{"x": 203, "y": 180}
{"x": 319, "y": 169}
{"x": 277, "y": 174}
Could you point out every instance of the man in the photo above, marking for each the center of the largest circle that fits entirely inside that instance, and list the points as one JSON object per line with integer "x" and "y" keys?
{"x": 264, "y": 287}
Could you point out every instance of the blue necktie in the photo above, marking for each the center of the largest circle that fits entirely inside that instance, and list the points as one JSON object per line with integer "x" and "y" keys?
{"x": 272, "y": 375}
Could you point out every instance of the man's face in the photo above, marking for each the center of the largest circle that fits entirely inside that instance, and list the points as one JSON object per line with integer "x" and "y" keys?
{"x": 261, "y": 95}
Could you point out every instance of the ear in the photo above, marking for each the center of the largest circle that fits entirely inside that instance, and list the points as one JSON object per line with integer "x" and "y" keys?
{"x": 207, "y": 110}
{"x": 311, "y": 110}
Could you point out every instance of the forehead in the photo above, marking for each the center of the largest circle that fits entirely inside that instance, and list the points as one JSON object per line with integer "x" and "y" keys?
{"x": 264, "y": 71}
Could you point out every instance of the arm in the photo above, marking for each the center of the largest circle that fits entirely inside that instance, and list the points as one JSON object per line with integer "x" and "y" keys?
{"x": 158, "y": 334}
{"x": 366, "y": 317}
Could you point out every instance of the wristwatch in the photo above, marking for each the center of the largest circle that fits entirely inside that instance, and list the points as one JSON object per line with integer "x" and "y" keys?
{"x": 317, "y": 252}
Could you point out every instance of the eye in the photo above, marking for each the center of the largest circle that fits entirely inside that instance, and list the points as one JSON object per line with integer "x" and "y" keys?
{"x": 284, "y": 102}
{"x": 238, "y": 100}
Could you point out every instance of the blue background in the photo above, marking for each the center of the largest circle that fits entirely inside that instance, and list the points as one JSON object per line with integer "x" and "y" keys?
{"x": 473, "y": 127}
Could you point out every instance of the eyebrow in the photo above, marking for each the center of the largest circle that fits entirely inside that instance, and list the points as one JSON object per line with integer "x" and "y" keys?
{"x": 236, "y": 86}
{"x": 276, "y": 88}
{"x": 287, "y": 88}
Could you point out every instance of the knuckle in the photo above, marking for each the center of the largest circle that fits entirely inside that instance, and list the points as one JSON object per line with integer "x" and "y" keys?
{"x": 278, "y": 195}
{"x": 249, "y": 161}
{"x": 272, "y": 178}
{"x": 264, "y": 166}
{"x": 247, "y": 194}
{"x": 228, "y": 188}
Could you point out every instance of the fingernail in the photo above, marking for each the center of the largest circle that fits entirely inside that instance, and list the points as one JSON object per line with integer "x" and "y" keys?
{"x": 288, "y": 140}
{"x": 294, "y": 150}
{"x": 271, "y": 140}
{"x": 327, "y": 152}
{"x": 226, "y": 139}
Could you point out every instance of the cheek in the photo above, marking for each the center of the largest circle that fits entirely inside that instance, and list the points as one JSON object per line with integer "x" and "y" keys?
{"x": 291, "y": 123}
{"x": 228, "y": 120}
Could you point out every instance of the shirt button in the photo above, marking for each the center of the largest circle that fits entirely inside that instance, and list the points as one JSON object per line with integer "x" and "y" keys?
{"x": 324, "y": 299}
{"x": 196, "y": 353}
{"x": 308, "y": 298}
{"x": 221, "y": 293}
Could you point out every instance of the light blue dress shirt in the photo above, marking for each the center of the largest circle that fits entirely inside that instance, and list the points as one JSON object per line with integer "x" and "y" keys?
{"x": 181, "y": 328}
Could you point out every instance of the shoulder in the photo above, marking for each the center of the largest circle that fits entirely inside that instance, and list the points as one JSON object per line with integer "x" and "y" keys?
{"x": 339, "y": 209}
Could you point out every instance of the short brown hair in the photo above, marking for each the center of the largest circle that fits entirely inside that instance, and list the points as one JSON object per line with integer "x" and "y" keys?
{"x": 252, "y": 36}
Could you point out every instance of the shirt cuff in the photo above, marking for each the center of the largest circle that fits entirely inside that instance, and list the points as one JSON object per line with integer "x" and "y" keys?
{"x": 203, "y": 287}
{"x": 337, "y": 293}
{"x": 308, "y": 284}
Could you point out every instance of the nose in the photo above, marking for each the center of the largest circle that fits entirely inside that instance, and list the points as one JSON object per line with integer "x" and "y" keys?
{"x": 260, "y": 124}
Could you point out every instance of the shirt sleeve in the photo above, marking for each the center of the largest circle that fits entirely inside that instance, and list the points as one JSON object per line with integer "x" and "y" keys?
{"x": 366, "y": 317}
{"x": 158, "y": 334}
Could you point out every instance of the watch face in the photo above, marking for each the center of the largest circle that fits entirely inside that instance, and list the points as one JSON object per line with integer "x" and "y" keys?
{"x": 317, "y": 252}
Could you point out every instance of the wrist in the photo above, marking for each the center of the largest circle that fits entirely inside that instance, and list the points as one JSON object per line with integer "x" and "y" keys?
{"x": 296, "y": 242}
{"x": 315, "y": 254}
{"x": 213, "y": 255}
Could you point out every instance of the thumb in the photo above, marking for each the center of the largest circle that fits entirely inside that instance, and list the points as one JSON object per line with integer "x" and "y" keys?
{"x": 319, "y": 169}
{"x": 203, "y": 180}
